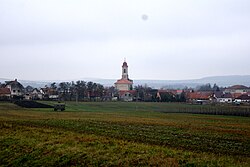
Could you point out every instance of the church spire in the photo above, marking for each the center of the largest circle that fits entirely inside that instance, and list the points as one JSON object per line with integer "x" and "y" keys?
{"x": 125, "y": 70}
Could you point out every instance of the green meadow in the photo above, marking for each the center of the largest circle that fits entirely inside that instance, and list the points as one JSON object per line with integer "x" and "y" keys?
{"x": 122, "y": 134}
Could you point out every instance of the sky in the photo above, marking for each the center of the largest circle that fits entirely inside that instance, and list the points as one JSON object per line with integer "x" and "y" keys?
{"x": 160, "y": 39}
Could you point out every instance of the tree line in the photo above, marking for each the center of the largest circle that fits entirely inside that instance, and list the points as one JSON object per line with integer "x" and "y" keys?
{"x": 91, "y": 91}
{"x": 79, "y": 90}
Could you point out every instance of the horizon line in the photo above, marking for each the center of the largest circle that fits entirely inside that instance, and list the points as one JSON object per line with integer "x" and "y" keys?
{"x": 90, "y": 79}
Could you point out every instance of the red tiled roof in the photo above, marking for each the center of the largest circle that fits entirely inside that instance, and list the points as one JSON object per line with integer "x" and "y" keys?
{"x": 235, "y": 95}
{"x": 179, "y": 91}
{"x": 5, "y": 91}
{"x": 244, "y": 97}
{"x": 162, "y": 92}
{"x": 222, "y": 95}
{"x": 199, "y": 95}
{"x": 238, "y": 87}
{"x": 170, "y": 91}
{"x": 49, "y": 91}
{"x": 123, "y": 81}
{"x": 122, "y": 92}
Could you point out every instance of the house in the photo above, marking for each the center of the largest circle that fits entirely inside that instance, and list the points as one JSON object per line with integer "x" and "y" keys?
{"x": 235, "y": 95}
{"x": 49, "y": 93}
{"x": 223, "y": 97}
{"x": 28, "y": 91}
{"x": 36, "y": 94}
{"x": 33, "y": 94}
{"x": 244, "y": 98}
{"x": 5, "y": 94}
{"x": 127, "y": 95}
{"x": 16, "y": 89}
{"x": 170, "y": 95}
{"x": 27, "y": 96}
{"x": 165, "y": 95}
{"x": 200, "y": 97}
{"x": 125, "y": 85}
{"x": 240, "y": 89}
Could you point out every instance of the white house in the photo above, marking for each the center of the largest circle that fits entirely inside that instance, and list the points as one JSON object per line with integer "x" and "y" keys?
{"x": 241, "y": 89}
{"x": 16, "y": 89}
{"x": 223, "y": 97}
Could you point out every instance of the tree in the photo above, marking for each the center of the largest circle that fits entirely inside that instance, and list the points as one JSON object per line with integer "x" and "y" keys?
{"x": 206, "y": 87}
{"x": 99, "y": 90}
{"x": 181, "y": 97}
{"x": 140, "y": 92}
{"x": 167, "y": 97}
{"x": 90, "y": 86}
{"x": 80, "y": 90}
{"x": 77, "y": 91}
{"x": 53, "y": 86}
{"x": 144, "y": 93}
{"x": 64, "y": 89}
{"x": 94, "y": 90}
{"x": 109, "y": 93}
{"x": 216, "y": 88}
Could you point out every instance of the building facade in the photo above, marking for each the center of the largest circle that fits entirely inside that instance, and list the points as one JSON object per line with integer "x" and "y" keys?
{"x": 125, "y": 85}
{"x": 16, "y": 89}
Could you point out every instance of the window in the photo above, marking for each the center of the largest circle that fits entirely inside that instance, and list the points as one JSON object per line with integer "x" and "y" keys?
{"x": 14, "y": 91}
{"x": 124, "y": 70}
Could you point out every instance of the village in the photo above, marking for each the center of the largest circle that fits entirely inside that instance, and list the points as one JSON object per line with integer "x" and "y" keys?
{"x": 125, "y": 83}
{"x": 123, "y": 90}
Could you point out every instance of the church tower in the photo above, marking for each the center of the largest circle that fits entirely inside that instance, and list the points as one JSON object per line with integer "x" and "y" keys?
{"x": 125, "y": 70}
{"x": 124, "y": 83}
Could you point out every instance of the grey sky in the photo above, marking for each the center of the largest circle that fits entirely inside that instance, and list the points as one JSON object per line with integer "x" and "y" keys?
{"x": 181, "y": 39}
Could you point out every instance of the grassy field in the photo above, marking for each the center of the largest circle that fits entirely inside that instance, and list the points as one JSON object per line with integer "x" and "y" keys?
{"x": 121, "y": 134}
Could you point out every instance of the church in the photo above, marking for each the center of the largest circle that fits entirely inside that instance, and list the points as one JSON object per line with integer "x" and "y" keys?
{"x": 125, "y": 85}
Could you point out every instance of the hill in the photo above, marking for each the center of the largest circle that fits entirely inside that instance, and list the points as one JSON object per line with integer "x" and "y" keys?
{"x": 223, "y": 81}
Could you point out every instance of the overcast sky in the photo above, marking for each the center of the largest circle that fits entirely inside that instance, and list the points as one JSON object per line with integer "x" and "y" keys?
{"x": 160, "y": 39}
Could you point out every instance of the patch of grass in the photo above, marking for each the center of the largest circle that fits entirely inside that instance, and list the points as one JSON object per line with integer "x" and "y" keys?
{"x": 138, "y": 107}
{"x": 120, "y": 134}
{"x": 31, "y": 146}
